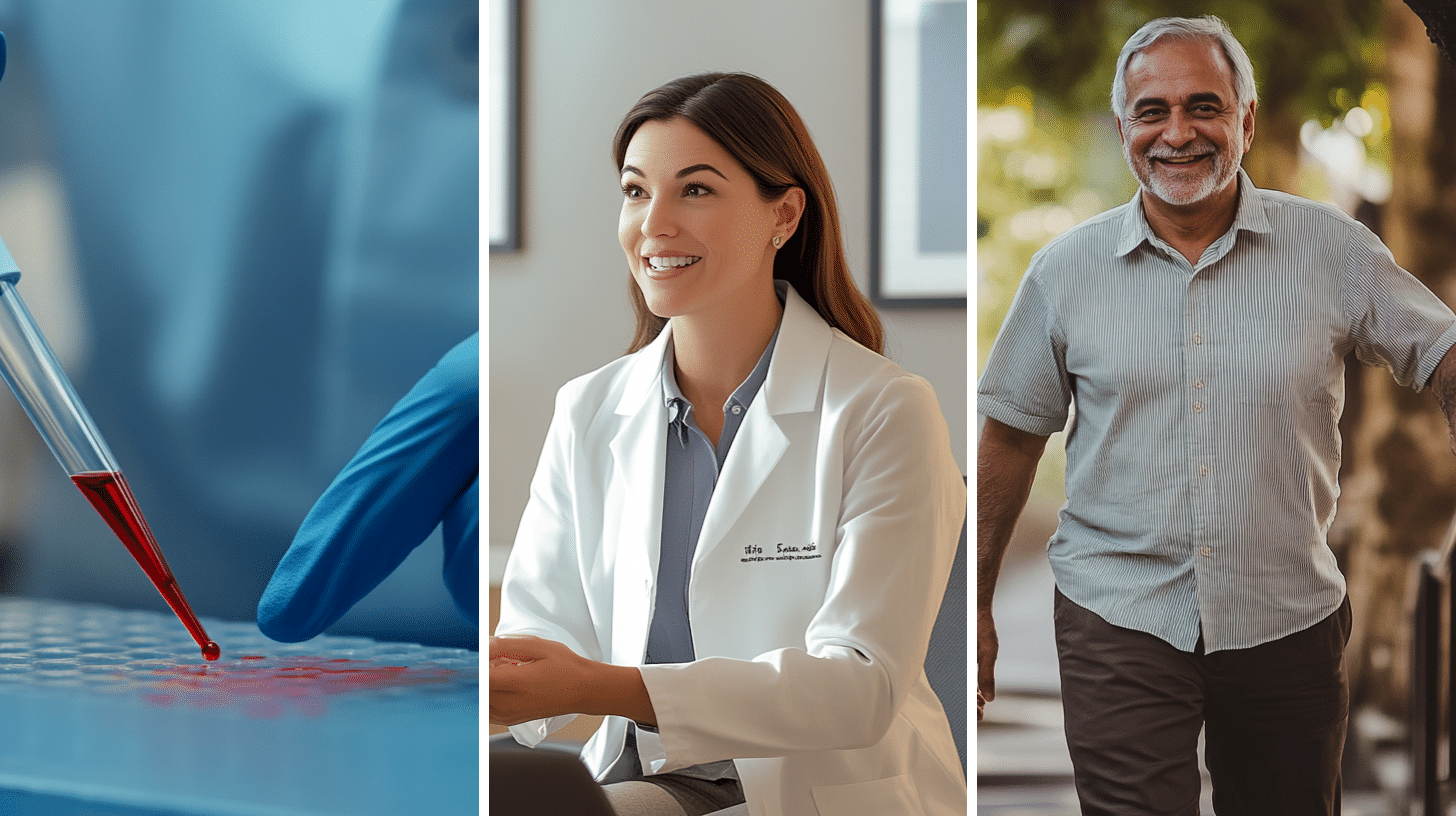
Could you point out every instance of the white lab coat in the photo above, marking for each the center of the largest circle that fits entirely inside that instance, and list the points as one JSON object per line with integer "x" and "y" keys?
{"x": 810, "y": 660}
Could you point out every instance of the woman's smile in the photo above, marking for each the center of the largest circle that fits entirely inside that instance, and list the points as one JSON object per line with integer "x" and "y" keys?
{"x": 661, "y": 267}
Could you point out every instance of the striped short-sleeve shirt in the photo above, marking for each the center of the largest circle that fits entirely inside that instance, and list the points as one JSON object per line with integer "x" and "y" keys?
{"x": 1204, "y": 447}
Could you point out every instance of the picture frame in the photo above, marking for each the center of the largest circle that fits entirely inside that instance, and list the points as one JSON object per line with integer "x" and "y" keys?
{"x": 505, "y": 126}
{"x": 919, "y": 193}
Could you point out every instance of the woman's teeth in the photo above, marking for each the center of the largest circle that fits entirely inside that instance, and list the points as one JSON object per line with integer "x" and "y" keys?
{"x": 663, "y": 264}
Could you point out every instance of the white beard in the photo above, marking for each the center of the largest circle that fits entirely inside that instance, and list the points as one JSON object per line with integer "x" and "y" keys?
{"x": 1222, "y": 168}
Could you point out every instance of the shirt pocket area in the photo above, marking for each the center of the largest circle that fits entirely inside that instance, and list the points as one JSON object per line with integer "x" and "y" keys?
{"x": 1281, "y": 362}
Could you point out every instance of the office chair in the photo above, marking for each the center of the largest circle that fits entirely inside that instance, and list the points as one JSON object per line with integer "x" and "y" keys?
{"x": 945, "y": 661}
{"x": 541, "y": 782}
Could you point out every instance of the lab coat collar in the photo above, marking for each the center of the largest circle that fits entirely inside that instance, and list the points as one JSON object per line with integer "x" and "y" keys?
{"x": 644, "y": 376}
{"x": 797, "y": 367}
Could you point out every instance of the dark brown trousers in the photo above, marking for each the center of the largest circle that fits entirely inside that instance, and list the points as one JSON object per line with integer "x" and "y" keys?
{"x": 1273, "y": 718}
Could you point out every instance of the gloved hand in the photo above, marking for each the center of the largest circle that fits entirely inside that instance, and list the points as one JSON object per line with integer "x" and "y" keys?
{"x": 419, "y": 468}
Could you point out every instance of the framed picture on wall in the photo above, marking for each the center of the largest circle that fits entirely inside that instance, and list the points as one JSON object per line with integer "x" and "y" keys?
{"x": 918, "y": 130}
{"x": 505, "y": 159}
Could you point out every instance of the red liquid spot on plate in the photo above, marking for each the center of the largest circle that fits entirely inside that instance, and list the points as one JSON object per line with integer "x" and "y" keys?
{"x": 303, "y": 684}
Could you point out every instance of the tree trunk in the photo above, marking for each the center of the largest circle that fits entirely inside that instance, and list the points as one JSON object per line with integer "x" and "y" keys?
{"x": 1399, "y": 478}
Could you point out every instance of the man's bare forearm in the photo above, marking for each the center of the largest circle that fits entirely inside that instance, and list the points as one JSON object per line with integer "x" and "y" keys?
{"x": 1005, "y": 466}
{"x": 1443, "y": 385}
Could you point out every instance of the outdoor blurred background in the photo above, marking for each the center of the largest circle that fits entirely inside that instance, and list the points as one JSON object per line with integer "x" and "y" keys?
{"x": 1357, "y": 108}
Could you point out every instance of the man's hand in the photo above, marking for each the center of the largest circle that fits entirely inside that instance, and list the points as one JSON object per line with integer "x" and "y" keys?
{"x": 986, "y": 648}
{"x": 533, "y": 678}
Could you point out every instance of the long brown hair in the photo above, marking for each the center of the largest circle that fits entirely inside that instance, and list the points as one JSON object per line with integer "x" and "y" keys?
{"x": 759, "y": 128}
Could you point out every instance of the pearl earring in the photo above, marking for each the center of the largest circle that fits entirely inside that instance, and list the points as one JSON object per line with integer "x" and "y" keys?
{"x": 778, "y": 241}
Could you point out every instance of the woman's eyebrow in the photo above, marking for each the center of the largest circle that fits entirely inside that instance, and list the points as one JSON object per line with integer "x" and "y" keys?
{"x": 686, "y": 171}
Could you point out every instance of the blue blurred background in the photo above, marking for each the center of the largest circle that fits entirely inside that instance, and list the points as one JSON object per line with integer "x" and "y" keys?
{"x": 248, "y": 227}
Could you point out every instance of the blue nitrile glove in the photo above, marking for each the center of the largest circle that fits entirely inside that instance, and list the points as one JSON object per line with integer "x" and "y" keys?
{"x": 418, "y": 469}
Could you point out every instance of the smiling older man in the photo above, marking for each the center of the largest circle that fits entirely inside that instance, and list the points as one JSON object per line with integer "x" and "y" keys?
{"x": 1201, "y": 331}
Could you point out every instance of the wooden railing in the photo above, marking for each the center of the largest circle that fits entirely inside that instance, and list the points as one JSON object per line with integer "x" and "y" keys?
{"x": 1433, "y": 742}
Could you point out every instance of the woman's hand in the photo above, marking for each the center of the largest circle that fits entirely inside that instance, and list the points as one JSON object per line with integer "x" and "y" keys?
{"x": 532, "y": 678}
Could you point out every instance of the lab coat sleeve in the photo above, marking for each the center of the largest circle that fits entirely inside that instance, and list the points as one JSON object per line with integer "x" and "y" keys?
{"x": 864, "y": 650}
{"x": 542, "y": 592}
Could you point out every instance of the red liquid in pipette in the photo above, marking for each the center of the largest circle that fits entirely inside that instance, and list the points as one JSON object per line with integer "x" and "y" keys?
{"x": 112, "y": 498}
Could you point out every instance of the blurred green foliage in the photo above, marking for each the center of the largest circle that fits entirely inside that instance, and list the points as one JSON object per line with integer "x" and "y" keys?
{"x": 1313, "y": 55}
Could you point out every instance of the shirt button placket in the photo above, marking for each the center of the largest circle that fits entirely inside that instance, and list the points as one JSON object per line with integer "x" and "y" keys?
{"x": 1197, "y": 359}
{"x": 1200, "y": 430}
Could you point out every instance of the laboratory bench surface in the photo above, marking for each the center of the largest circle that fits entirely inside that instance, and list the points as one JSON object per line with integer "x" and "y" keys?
{"x": 109, "y": 712}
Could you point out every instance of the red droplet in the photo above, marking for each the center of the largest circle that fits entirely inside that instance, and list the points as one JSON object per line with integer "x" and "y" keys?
{"x": 211, "y": 651}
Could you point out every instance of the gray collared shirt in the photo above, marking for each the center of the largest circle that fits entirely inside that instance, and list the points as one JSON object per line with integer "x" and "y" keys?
{"x": 1203, "y": 451}
{"x": 693, "y": 465}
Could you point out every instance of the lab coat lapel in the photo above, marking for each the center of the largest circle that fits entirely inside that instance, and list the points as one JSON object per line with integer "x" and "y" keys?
{"x": 638, "y": 461}
{"x": 792, "y": 386}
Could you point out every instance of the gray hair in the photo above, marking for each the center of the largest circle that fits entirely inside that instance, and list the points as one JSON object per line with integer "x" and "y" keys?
{"x": 1187, "y": 28}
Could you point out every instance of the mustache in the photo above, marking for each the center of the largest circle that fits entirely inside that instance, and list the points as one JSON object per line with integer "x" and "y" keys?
{"x": 1196, "y": 149}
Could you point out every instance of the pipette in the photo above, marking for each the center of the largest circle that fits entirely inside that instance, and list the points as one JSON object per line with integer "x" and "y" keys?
{"x": 30, "y": 368}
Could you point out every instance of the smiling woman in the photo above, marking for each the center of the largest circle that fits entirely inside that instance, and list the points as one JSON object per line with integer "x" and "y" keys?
{"x": 701, "y": 241}
{"x": 739, "y": 534}
{"x": 756, "y": 130}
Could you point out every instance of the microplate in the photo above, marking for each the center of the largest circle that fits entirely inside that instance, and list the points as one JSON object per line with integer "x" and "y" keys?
{"x": 115, "y": 711}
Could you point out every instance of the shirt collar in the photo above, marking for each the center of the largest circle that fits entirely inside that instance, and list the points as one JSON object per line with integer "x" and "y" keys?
{"x": 1251, "y": 216}
{"x": 678, "y": 406}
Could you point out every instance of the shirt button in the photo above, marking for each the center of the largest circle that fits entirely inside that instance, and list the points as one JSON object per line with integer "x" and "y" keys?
{"x": 1197, "y": 339}
{"x": 1198, "y": 383}
{"x": 1203, "y": 470}
{"x": 1197, "y": 407}
{"x": 1205, "y": 552}
{"x": 737, "y": 409}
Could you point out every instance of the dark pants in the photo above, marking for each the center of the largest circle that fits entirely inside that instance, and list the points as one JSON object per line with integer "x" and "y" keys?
{"x": 1274, "y": 718}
